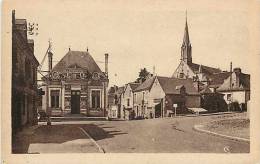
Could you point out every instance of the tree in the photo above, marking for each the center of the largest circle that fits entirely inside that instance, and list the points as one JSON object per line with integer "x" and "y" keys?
{"x": 143, "y": 74}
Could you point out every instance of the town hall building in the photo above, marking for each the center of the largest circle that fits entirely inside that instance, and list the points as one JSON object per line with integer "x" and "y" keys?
{"x": 76, "y": 85}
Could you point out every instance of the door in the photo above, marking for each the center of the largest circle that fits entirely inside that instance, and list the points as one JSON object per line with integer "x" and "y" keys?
{"x": 75, "y": 102}
{"x": 158, "y": 110}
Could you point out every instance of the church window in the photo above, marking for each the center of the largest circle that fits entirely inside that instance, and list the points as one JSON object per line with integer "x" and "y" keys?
{"x": 95, "y": 98}
{"x": 181, "y": 75}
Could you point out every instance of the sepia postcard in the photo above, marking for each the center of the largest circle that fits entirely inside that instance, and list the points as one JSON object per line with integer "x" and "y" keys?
{"x": 120, "y": 81}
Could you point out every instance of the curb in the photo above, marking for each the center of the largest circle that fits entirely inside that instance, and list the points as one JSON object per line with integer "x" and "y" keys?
{"x": 198, "y": 128}
{"x": 99, "y": 147}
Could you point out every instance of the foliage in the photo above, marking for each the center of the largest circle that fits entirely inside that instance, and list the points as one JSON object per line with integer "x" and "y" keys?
{"x": 143, "y": 74}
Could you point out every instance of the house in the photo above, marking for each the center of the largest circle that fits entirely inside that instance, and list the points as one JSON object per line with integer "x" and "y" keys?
{"x": 236, "y": 89}
{"x": 24, "y": 76}
{"x": 127, "y": 100}
{"x": 156, "y": 96}
{"x": 76, "y": 85}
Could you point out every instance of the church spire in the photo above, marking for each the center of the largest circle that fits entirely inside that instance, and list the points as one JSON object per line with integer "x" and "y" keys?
{"x": 186, "y": 48}
{"x": 186, "y": 39}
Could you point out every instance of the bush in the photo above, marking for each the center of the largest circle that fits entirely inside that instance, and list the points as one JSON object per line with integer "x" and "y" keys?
{"x": 234, "y": 106}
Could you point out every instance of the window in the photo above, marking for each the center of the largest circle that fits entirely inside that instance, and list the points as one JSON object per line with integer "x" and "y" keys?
{"x": 229, "y": 97}
{"x": 128, "y": 102}
{"x": 77, "y": 75}
{"x": 181, "y": 75}
{"x": 55, "y": 96}
{"x": 95, "y": 98}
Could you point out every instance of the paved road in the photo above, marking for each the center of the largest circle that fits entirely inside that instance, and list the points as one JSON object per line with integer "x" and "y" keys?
{"x": 168, "y": 135}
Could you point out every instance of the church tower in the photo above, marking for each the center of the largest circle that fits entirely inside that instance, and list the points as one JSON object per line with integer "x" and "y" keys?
{"x": 186, "y": 48}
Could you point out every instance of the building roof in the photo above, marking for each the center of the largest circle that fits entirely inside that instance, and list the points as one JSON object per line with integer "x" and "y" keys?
{"x": 205, "y": 69}
{"x": 169, "y": 85}
{"x": 79, "y": 58}
{"x": 146, "y": 85}
{"x": 133, "y": 86}
{"x": 217, "y": 79}
{"x": 172, "y": 85}
{"x": 244, "y": 83}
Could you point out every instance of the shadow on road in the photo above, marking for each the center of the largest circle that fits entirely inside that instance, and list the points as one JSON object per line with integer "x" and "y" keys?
{"x": 59, "y": 134}
{"x": 98, "y": 133}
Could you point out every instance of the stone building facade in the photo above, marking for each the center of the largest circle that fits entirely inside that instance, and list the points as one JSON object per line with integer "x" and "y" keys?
{"x": 76, "y": 85}
{"x": 24, "y": 76}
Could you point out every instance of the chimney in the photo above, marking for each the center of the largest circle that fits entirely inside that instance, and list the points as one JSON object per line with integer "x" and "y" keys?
{"x": 13, "y": 18}
{"x": 237, "y": 70}
{"x": 230, "y": 81}
{"x": 106, "y": 64}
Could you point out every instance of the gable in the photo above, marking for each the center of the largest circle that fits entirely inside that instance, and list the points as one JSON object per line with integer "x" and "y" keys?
{"x": 156, "y": 91}
{"x": 185, "y": 68}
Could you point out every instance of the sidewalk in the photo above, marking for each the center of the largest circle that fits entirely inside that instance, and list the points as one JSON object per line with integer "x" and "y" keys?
{"x": 54, "y": 139}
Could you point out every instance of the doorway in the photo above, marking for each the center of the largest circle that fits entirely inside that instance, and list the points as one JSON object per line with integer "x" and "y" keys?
{"x": 75, "y": 102}
{"x": 158, "y": 110}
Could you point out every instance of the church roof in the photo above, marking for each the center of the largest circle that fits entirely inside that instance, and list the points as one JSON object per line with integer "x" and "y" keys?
{"x": 77, "y": 58}
{"x": 205, "y": 69}
{"x": 186, "y": 38}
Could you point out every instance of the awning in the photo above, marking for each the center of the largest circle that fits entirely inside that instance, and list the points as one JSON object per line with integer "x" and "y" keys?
{"x": 196, "y": 110}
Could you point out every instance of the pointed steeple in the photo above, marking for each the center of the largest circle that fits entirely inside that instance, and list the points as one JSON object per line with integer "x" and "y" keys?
{"x": 186, "y": 39}
{"x": 186, "y": 48}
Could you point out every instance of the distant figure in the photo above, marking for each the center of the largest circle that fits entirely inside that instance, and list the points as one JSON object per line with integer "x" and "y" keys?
{"x": 151, "y": 115}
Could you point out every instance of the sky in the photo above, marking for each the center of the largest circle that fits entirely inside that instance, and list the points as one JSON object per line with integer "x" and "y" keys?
{"x": 138, "y": 34}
